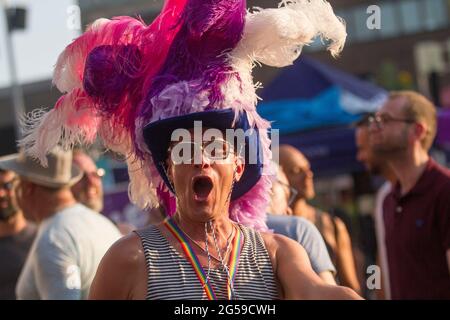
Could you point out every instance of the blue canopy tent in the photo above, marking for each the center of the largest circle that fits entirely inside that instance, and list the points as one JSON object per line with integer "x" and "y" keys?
{"x": 312, "y": 105}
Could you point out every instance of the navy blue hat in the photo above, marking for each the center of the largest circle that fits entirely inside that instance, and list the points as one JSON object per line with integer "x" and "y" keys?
{"x": 157, "y": 136}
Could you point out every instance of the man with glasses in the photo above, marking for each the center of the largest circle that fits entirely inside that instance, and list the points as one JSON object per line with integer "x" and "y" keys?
{"x": 16, "y": 236}
{"x": 375, "y": 165}
{"x": 89, "y": 190}
{"x": 417, "y": 210}
{"x": 202, "y": 226}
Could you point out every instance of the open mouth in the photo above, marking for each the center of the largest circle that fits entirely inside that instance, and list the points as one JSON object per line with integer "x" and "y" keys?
{"x": 202, "y": 187}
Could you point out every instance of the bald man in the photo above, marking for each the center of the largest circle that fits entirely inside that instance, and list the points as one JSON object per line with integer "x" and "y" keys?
{"x": 333, "y": 230}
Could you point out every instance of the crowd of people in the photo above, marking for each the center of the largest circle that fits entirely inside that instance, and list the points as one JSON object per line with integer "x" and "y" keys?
{"x": 53, "y": 236}
{"x": 230, "y": 223}
{"x": 71, "y": 239}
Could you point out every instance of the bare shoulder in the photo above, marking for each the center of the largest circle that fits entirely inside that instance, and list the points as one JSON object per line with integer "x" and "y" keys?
{"x": 340, "y": 225}
{"x": 121, "y": 271}
{"x": 275, "y": 241}
{"x": 333, "y": 223}
{"x": 327, "y": 220}
{"x": 278, "y": 245}
{"x": 127, "y": 251}
{"x": 295, "y": 277}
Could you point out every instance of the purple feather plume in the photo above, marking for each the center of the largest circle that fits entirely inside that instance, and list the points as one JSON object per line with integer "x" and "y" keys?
{"x": 110, "y": 72}
{"x": 209, "y": 30}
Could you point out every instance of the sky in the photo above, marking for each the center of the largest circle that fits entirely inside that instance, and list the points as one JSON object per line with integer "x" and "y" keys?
{"x": 51, "y": 26}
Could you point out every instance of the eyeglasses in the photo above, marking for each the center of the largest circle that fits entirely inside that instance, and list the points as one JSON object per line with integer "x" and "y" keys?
{"x": 380, "y": 120}
{"x": 8, "y": 186}
{"x": 189, "y": 152}
{"x": 97, "y": 174}
{"x": 292, "y": 191}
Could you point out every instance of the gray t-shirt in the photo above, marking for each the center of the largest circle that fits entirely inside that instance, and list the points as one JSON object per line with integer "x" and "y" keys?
{"x": 65, "y": 255}
{"x": 305, "y": 233}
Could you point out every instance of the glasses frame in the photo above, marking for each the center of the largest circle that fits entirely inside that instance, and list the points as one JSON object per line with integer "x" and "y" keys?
{"x": 380, "y": 120}
{"x": 8, "y": 186}
{"x": 292, "y": 191}
{"x": 98, "y": 174}
{"x": 202, "y": 147}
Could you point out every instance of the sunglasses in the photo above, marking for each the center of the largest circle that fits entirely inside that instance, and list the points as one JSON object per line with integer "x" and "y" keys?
{"x": 8, "y": 186}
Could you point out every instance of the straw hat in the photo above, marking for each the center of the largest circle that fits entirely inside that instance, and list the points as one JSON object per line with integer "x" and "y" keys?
{"x": 60, "y": 171}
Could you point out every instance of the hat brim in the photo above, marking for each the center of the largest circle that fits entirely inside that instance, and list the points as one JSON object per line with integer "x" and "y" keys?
{"x": 10, "y": 163}
{"x": 157, "y": 136}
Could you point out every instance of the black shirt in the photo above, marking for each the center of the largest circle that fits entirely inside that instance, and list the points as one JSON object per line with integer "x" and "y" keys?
{"x": 13, "y": 252}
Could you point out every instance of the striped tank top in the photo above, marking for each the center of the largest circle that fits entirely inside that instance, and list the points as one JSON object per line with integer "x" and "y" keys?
{"x": 171, "y": 277}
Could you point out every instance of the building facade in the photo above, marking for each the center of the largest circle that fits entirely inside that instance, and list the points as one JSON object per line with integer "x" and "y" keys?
{"x": 401, "y": 44}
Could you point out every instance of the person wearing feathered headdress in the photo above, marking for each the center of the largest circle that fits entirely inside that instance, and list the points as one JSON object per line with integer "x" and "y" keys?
{"x": 142, "y": 90}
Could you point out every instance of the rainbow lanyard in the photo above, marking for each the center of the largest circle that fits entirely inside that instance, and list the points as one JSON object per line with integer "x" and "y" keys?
{"x": 193, "y": 260}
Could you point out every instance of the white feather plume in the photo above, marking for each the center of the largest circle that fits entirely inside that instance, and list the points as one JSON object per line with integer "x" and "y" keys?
{"x": 66, "y": 75}
{"x": 70, "y": 122}
{"x": 275, "y": 37}
{"x": 141, "y": 190}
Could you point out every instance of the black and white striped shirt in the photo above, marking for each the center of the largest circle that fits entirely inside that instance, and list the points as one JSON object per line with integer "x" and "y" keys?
{"x": 171, "y": 276}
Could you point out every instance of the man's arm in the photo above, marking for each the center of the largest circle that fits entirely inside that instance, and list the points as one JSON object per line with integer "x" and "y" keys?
{"x": 327, "y": 277}
{"x": 295, "y": 275}
{"x": 122, "y": 273}
{"x": 306, "y": 233}
{"x": 345, "y": 257}
{"x": 311, "y": 240}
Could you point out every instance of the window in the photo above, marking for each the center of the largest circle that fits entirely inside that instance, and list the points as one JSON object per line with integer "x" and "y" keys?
{"x": 412, "y": 21}
{"x": 398, "y": 17}
{"x": 390, "y": 24}
{"x": 362, "y": 32}
{"x": 436, "y": 14}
